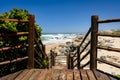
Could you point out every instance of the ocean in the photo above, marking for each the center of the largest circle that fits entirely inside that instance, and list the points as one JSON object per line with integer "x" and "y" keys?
{"x": 58, "y": 37}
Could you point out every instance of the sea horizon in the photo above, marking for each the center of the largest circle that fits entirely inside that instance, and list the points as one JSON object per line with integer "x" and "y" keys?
{"x": 58, "y": 37}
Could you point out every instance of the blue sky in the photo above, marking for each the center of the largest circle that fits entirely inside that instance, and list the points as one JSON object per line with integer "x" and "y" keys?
{"x": 66, "y": 15}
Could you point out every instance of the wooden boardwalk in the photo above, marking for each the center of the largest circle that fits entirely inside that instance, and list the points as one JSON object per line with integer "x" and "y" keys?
{"x": 36, "y": 50}
{"x": 57, "y": 74}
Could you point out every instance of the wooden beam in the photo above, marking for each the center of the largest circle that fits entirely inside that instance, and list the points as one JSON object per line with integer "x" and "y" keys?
{"x": 14, "y": 34}
{"x": 78, "y": 58}
{"x": 12, "y": 61}
{"x": 109, "y": 63}
{"x": 109, "y": 20}
{"x": 109, "y": 48}
{"x": 14, "y": 47}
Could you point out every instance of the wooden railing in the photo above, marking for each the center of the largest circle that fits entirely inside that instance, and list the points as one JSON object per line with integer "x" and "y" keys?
{"x": 52, "y": 56}
{"x": 39, "y": 54}
{"x": 75, "y": 60}
{"x": 29, "y": 53}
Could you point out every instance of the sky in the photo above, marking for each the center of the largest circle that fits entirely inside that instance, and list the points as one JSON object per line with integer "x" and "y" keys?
{"x": 67, "y": 16}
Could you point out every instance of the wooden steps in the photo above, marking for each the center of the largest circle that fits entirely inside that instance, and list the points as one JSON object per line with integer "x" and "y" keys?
{"x": 60, "y": 62}
{"x": 57, "y": 74}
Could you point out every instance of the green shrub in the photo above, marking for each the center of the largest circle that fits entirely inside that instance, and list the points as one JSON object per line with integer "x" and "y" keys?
{"x": 118, "y": 76}
{"x": 13, "y": 27}
{"x": 116, "y": 31}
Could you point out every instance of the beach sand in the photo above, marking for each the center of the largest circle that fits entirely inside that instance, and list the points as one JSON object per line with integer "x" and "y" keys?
{"x": 108, "y": 55}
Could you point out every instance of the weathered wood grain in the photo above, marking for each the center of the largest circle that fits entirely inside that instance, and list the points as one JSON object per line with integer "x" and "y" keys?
{"x": 23, "y": 74}
{"x": 58, "y": 74}
{"x": 63, "y": 75}
{"x": 70, "y": 74}
{"x": 42, "y": 75}
{"x": 35, "y": 74}
{"x": 84, "y": 75}
{"x": 49, "y": 74}
{"x": 11, "y": 76}
{"x": 77, "y": 75}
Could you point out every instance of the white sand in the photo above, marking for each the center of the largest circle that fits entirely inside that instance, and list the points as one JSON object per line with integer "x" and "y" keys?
{"x": 110, "y": 55}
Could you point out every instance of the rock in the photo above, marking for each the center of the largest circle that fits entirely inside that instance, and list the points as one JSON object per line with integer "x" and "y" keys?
{"x": 68, "y": 43}
{"x": 77, "y": 40}
{"x": 103, "y": 58}
{"x": 107, "y": 40}
{"x": 109, "y": 56}
{"x": 56, "y": 38}
{"x": 62, "y": 46}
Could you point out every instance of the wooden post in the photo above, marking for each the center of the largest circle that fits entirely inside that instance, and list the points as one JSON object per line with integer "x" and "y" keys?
{"x": 44, "y": 52}
{"x": 30, "y": 63}
{"x": 93, "y": 53}
{"x": 68, "y": 60}
{"x": 78, "y": 57}
{"x": 53, "y": 59}
{"x": 50, "y": 59}
{"x": 44, "y": 49}
{"x": 71, "y": 61}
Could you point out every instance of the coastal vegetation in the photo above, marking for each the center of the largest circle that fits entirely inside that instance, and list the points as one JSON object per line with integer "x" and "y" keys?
{"x": 113, "y": 31}
{"x": 7, "y": 27}
{"x": 116, "y": 31}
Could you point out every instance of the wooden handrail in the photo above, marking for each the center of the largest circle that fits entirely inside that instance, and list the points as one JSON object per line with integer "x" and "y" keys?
{"x": 79, "y": 52}
{"x": 36, "y": 33}
{"x": 109, "y": 48}
{"x": 40, "y": 49}
{"x": 82, "y": 58}
{"x": 84, "y": 38}
{"x": 13, "y": 47}
{"x": 109, "y": 20}
{"x": 85, "y": 64}
{"x": 13, "y": 61}
{"x": 14, "y": 34}
{"x": 75, "y": 60}
{"x": 37, "y": 61}
{"x": 93, "y": 46}
{"x": 109, "y": 63}
{"x": 85, "y": 47}
{"x": 85, "y": 55}
{"x": 38, "y": 54}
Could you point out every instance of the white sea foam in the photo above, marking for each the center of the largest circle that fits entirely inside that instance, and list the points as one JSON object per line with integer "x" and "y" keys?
{"x": 55, "y": 38}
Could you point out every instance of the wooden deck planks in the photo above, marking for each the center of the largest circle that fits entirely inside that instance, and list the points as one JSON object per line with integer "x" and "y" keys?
{"x": 42, "y": 75}
{"x": 57, "y": 74}
{"x": 11, "y": 76}
{"x": 63, "y": 75}
{"x": 83, "y": 75}
{"x": 98, "y": 75}
{"x": 35, "y": 74}
{"x": 105, "y": 77}
{"x": 49, "y": 74}
{"x": 23, "y": 74}
{"x": 90, "y": 74}
{"x": 76, "y": 75}
{"x": 70, "y": 75}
